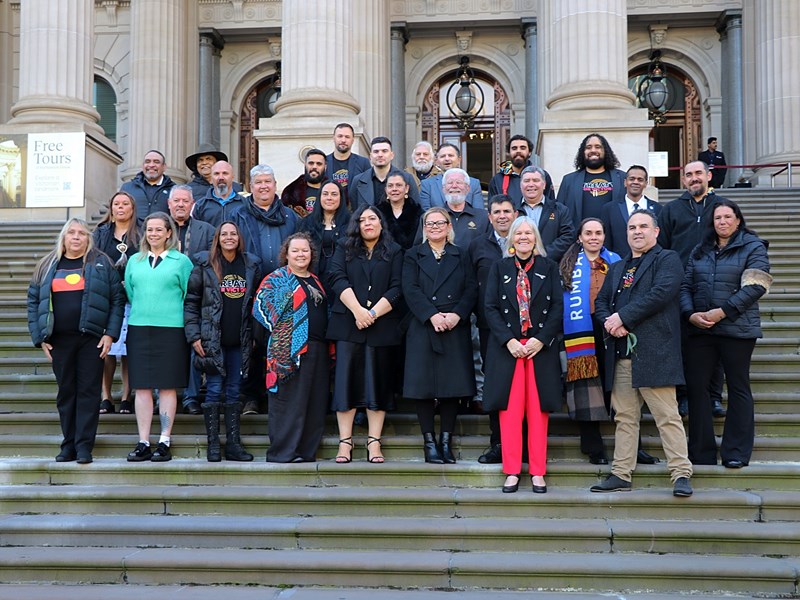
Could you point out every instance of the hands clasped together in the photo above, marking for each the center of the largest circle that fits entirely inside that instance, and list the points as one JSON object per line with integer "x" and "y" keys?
{"x": 444, "y": 321}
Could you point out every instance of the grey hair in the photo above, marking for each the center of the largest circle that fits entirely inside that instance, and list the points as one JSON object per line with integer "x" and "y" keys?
{"x": 181, "y": 187}
{"x": 51, "y": 258}
{"x": 454, "y": 171}
{"x": 533, "y": 169}
{"x": 424, "y": 143}
{"x": 518, "y": 222}
{"x": 261, "y": 170}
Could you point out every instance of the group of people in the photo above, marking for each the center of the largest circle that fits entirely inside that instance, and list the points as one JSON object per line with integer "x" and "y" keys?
{"x": 364, "y": 284}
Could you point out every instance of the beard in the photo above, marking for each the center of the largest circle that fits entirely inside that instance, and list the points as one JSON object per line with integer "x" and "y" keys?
{"x": 422, "y": 166}
{"x": 455, "y": 199}
{"x": 594, "y": 163}
{"x": 519, "y": 161}
{"x": 223, "y": 189}
{"x": 315, "y": 177}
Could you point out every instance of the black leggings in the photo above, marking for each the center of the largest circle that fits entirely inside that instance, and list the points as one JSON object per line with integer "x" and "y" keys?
{"x": 448, "y": 411}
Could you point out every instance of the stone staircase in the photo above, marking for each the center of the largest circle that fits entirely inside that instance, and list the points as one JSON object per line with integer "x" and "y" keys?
{"x": 404, "y": 524}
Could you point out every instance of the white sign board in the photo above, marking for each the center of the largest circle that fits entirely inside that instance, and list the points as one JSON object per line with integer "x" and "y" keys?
{"x": 658, "y": 164}
{"x": 55, "y": 166}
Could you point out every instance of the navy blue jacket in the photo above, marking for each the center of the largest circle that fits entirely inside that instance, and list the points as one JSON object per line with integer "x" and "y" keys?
{"x": 149, "y": 198}
{"x": 265, "y": 230}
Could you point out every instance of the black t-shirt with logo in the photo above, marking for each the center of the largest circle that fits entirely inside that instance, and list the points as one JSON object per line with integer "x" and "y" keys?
{"x": 67, "y": 294}
{"x": 597, "y": 192}
{"x": 341, "y": 173}
{"x": 232, "y": 288}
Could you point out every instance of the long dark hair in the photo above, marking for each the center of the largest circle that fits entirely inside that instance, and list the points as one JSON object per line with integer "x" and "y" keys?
{"x": 567, "y": 264}
{"x": 314, "y": 222}
{"x": 215, "y": 254}
{"x": 709, "y": 240}
{"x": 354, "y": 244}
{"x": 610, "y": 161}
{"x": 132, "y": 235}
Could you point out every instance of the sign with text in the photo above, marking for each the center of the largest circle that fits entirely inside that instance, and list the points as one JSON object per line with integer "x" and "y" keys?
{"x": 658, "y": 164}
{"x": 55, "y": 166}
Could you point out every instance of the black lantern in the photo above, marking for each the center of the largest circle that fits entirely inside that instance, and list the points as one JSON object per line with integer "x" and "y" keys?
{"x": 465, "y": 97}
{"x": 272, "y": 95}
{"x": 656, "y": 92}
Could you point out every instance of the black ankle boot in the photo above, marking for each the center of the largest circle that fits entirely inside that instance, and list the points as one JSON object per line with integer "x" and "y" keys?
{"x": 233, "y": 443}
{"x": 211, "y": 418}
{"x": 445, "y": 440}
{"x": 431, "y": 451}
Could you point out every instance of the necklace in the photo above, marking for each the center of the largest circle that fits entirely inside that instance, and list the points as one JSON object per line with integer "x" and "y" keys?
{"x": 438, "y": 254}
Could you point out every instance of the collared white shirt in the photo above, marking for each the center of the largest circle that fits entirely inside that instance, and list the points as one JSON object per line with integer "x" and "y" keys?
{"x": 629, "y": 204}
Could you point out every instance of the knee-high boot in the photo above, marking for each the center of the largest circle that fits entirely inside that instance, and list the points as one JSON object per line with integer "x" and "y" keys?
{"x": 211, "y": 418}
{"x": 233, "y": 442}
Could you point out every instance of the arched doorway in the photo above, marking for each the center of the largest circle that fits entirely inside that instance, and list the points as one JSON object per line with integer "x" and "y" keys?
{"x": 680, "y": 133}
{"x": 258, "y": 104}
{"x": 483, "y": 146}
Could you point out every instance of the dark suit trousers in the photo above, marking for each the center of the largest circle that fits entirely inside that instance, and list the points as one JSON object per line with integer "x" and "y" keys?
{"x": 297, "y": 410}
{"x": 704, "y": 353}
{"x": 79, "y": 373}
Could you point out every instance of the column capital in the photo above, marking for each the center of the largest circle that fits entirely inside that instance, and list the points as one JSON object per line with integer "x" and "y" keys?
{"x": 211, "y": 36}
{"x": 399, "y": 31}
{"x": 728, "y": 19}
{"x": 529, "y": 27}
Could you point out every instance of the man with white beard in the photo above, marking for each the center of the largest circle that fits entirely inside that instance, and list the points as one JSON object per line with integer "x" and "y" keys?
{"x": 431, "y": 191}
{"x": 221, "y": 202}
{"x": 422, "y": 163}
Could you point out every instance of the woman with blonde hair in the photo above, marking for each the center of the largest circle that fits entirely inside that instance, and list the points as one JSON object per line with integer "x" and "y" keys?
{"x": 75, "y": 305}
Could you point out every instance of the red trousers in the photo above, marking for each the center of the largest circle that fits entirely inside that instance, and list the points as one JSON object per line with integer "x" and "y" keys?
{"x": 523, "y": 402}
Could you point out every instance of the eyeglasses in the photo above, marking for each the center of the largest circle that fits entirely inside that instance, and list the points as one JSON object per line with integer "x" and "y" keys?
{"x": 432, "y": 224}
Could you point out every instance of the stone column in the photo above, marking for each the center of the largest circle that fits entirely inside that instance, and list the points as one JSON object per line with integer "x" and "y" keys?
{"x": 729, "y": 27}
{"x": 317, "y": 84}
{"x": 372, "y": 65}
{"x": 208, "y": 90}
{"x": 398, "y": 135}
{"x": 55, "y": 86}
{"x": 583, "y": 60}
{"x": 777, "y": 84}
{"x": 529, "y": 34}
{"x": 158, "y": 96}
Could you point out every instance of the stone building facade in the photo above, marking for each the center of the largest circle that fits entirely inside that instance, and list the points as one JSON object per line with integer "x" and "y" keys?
{"x": 172, "y": 74}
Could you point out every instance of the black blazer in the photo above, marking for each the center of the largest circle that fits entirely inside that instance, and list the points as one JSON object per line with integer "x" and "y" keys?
{"x": 555, "y": 226}
{"x": 370, "y": 280}
{"x": 484, "y": 251}
{"x": 615, "y": 221}
{"x": 502, "y": 314}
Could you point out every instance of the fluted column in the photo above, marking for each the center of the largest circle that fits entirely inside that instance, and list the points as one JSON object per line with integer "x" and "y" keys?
{"x": 777, "y": 82}
{"x": 159, "y": 55}
{"x": 587, "y": 51}
{"x": 371, "y": 59}
{"x": 729, "y": 27}
{"x": 317, "y": 39}
{"x": 398, "y": 134}
{"x": 56, "y": 64}
{"x": 208, "y": 89}
{"x": 583, "y": 64}
{"x": 529, "y": 33}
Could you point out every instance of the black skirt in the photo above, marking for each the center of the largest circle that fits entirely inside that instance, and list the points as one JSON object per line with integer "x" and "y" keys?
{"x": 158, "y": 357}
{"x": 364, "y": 377}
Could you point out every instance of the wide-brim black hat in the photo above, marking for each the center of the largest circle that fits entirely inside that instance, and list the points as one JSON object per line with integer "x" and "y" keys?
{"x": 204, "y": 150}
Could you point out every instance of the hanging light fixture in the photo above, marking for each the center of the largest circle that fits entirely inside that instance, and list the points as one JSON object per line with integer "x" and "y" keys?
{"x": 465, "y": 98}
{"x": 656, "y": 92}
{"x": 272, "y": 94}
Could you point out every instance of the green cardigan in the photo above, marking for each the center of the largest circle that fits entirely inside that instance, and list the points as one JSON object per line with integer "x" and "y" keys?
{"x": 156, "y": 295}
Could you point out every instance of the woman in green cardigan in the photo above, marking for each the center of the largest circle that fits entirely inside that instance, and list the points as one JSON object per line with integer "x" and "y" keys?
{"x": 155, "y": 280}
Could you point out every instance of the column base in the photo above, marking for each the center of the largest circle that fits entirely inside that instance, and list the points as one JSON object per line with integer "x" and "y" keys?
{"x": 100, "y": 181}
{"x": 283, "y": 141}
{"x": 561, "y": 133}
{"x": 47, "y": 109}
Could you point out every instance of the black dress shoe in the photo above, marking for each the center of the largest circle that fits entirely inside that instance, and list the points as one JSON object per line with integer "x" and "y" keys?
{"x": 718, "y": 410}
{"x": 683, "y": 407}
{"x": 65, "y": 456}
{"x": 598, "y": 458}
{"x": 84, "y": 459}
{"x": 493, "y": 456}
{"x": 510, "y": 489}
{"x": 682, "y": 489}
{"x": 643, "y": 458}
{"x": 733, "y": 464}
{"x": 612, "y": 483}
{"x": 538, "y": 489}
{"x": 192, "y": 407}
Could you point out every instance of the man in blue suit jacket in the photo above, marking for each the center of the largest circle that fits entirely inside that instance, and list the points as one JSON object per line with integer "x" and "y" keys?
{"x": 615, "y": 214}
{"x": 595, "y": 182}
{"x": 431, "y": 192}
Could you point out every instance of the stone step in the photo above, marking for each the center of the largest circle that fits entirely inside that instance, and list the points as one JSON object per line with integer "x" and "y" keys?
{"x": 357, "y": 477}
{"x": 442, "y": 570}
{"x": 491, "y": 533}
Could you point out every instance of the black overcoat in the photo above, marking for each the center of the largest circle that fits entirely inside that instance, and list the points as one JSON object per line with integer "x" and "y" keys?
{"x": 438, "y": 365}
{"x": 651, "y": 313}
{"x": 502, "y": 315}
{"x": 370, "y": 281}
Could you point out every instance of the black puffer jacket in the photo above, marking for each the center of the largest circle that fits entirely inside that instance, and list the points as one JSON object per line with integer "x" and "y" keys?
{"x": 102, "y": 303}
{"x": 732, "y": 279}
{"x": 203, "y": 313}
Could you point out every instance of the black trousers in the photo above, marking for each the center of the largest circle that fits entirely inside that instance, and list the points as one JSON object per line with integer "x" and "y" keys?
{"x": 79, "y": 373}
{"x": 703, "y": 353}
{"x": 494, "y": 416}
{"x": 297, "y": 410}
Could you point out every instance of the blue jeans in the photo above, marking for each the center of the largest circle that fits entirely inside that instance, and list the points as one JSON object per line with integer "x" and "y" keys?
{"x": 192, "y": 391}
{"x": 232, "y": 361}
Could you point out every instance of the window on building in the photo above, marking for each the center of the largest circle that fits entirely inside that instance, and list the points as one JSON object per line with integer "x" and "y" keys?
{"x": 105, "y": 102}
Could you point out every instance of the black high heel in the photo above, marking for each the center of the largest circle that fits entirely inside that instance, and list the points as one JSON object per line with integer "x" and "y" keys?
{"x": 510, "y": 489}
{"x": 341, "y": 458}
{"x": 374, "y": 459}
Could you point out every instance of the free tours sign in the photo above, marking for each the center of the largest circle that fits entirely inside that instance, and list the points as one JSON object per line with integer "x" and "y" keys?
{"x": 55, "y": 170}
